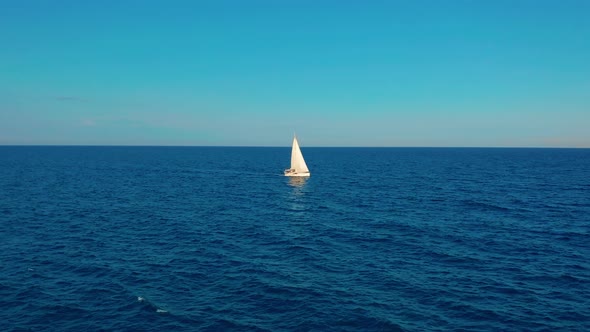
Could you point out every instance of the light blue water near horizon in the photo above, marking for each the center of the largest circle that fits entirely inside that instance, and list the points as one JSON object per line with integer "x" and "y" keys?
{"x": 215, "y": 238}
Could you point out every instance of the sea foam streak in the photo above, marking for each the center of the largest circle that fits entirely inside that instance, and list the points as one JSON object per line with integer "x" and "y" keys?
{"x": 150, "y": 304}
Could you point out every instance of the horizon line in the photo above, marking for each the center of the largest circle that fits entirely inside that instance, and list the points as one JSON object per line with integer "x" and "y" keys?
{"x": 303, "y": 147}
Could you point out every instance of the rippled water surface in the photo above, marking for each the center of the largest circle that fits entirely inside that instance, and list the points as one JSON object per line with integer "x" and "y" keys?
{"x": 216, "y": 239}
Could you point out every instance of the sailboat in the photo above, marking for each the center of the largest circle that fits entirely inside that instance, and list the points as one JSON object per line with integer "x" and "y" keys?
{"x": 298, "y": 166}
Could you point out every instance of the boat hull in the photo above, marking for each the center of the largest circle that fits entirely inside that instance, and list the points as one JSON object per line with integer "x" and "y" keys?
{"x": 297, "y": 174}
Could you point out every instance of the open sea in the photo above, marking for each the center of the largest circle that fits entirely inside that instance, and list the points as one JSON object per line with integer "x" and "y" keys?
{"x": 216, "y": 239}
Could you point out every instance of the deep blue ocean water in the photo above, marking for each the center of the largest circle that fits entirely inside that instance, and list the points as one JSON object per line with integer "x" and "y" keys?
{"x": 216, "y": 239}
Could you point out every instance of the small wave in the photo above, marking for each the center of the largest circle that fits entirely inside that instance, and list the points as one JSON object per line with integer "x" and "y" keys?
{"x": 151, "y": 305}
{"x": 484, "y": 206}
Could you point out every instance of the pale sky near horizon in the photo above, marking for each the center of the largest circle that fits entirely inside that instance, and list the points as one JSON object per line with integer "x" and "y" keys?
{"x": 338, "y": 73}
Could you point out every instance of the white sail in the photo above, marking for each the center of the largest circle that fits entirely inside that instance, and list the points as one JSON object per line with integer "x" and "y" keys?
{"x": 298, "y": 165}
{"x": 297, "y": 161}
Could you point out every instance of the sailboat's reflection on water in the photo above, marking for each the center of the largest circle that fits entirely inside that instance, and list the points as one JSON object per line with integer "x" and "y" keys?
{"x": 298, "y": 181}
{"x": 296, "y": 202}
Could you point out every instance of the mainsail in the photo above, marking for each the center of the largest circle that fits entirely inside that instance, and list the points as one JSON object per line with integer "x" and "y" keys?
{"x": 297, "y": 161}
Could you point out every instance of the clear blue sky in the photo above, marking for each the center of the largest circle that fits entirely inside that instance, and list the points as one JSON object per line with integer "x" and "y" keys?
{"x": 339, "y": 73}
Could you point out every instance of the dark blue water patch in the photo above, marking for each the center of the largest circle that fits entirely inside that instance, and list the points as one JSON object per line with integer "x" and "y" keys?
{"x": 210, "y": 239}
